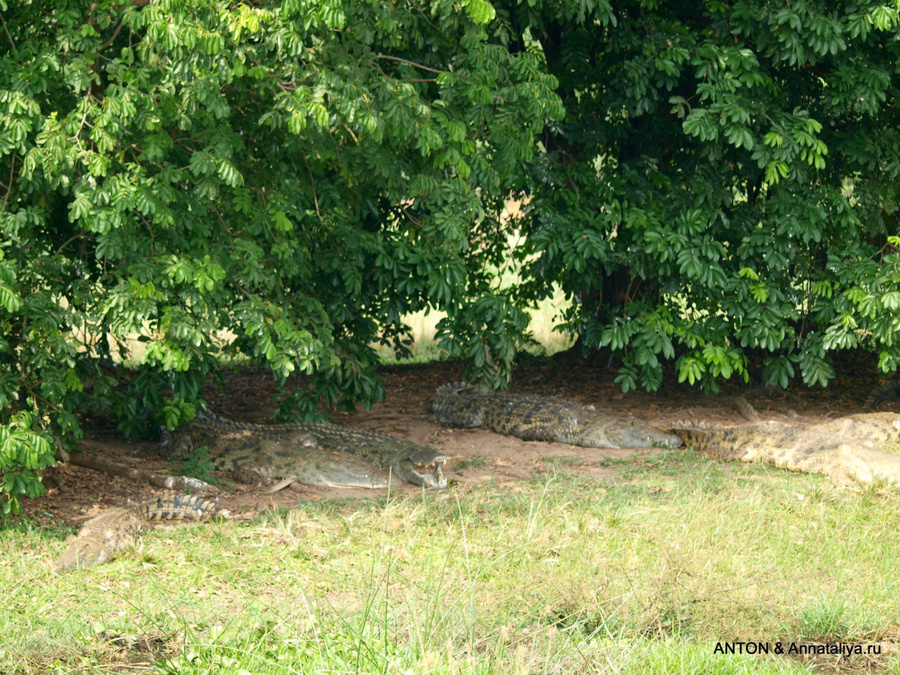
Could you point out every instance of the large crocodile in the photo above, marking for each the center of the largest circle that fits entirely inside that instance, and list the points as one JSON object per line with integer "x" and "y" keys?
{"x": 858, "y": 447}
{"x": 315, "y": 453}
{"x": 543, "y": 418}
{"x": 103, "y": 537}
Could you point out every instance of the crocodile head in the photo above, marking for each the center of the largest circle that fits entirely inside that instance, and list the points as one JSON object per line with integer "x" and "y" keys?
{"x": 422, "y": 466}
{"x": 634, "y": 433}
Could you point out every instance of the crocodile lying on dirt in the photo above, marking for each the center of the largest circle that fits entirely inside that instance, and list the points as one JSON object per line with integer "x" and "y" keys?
{"x": 543, "y": 418}
{"x": 858, "y": 447}
{"x": 315, "y": 453}
{"x": 881, "y": 395}
{"x": 113, "y": 531}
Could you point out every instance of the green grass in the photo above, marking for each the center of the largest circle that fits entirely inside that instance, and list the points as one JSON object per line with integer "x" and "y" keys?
{"x": 643, "y": 573}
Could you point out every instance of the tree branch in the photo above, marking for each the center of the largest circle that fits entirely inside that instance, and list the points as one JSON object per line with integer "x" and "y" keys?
{"x": 409, "y": 63}
{"x": 180, "y": 483}
{"x": 11, "y": 41}
{"x": 313, "y": 181}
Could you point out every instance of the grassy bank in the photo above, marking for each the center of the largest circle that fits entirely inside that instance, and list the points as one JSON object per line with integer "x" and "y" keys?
{"x": 643, "y": 573}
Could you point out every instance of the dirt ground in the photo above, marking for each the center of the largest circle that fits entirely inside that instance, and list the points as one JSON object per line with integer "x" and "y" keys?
{"x": 475, "y": 456}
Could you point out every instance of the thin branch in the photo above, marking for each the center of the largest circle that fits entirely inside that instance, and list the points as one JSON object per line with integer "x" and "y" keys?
{"x": 244, "y": 291}
{"x": 350, "y": 131}
{"x": 222, "y": 224}
{"x": 11, "y": 41}
{"x": 12, "y": 176}
{"x": 181, "y": 483}
{"x": 313, "y": 181}
{"x": 425, "y": 17}
{"x": 409, "y": 63}
{"x": 114, "y": 35}
{"x": 67, "y": 242}
{"x": 416, "y": 221}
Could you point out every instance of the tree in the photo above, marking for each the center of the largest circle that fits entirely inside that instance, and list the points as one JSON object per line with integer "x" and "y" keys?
{"x": 725, "y": 180}
{"x": 283, "y": 180}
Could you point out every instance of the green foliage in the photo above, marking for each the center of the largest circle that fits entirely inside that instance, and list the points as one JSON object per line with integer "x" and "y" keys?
{"x": 725, "y": 180}
{"x": 197, "y": 464}
{"x": 286, "y": 180}
{"x": 279, "y": 180}
{"x": 487, "y": 333}
{"x": 826, "y": 619}
{"x": 24, "y": 452}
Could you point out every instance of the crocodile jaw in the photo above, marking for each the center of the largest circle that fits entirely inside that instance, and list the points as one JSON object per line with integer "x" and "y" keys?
{"x": 638, "y": 434}
{"x": 425, "y": 469}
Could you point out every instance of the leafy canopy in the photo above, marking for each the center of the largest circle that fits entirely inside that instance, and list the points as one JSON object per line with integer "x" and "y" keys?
{"x": 285, "y": 180}
{"x": 725, "y": 182}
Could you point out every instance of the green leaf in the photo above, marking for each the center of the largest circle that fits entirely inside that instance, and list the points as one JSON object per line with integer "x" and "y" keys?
{"x": 480, "y": 11}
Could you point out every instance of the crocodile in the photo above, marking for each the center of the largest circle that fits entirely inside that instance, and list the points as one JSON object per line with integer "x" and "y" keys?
{"x": 861, "y": 447}
{"x": 881, "y": 395}
{"x": 543, "y": 418}
{"x": 315, "y": 453}
{"x": 103, "y": 537}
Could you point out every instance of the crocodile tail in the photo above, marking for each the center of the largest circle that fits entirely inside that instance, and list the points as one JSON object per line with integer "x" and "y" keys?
{"x": 209, "y": 416}
{"x": 168, "y": 439}
{"x": 455, "y": 388}
{"x": 457, "y": 405}
{"x": 184, "y": 507}
{"x": 699, "y": 438}
{"x": 881, "y": 395}
{"x": 445, "y": 395}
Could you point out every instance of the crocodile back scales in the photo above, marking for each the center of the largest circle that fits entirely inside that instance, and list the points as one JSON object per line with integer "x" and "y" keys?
{"x": 178, "y": 507}
{"x": 104, "y": 536}
{"x": 857, "y": 447}
{"x": 315, "y": 453}
{"x": 886, "y": 393}
{"x": 543, "y": 418}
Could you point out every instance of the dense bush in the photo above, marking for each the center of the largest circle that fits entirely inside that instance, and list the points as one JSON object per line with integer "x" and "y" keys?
{"x": 725, "y": 179}
{"x": 281, "y": 180}
{"x": 286, "y": 180}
